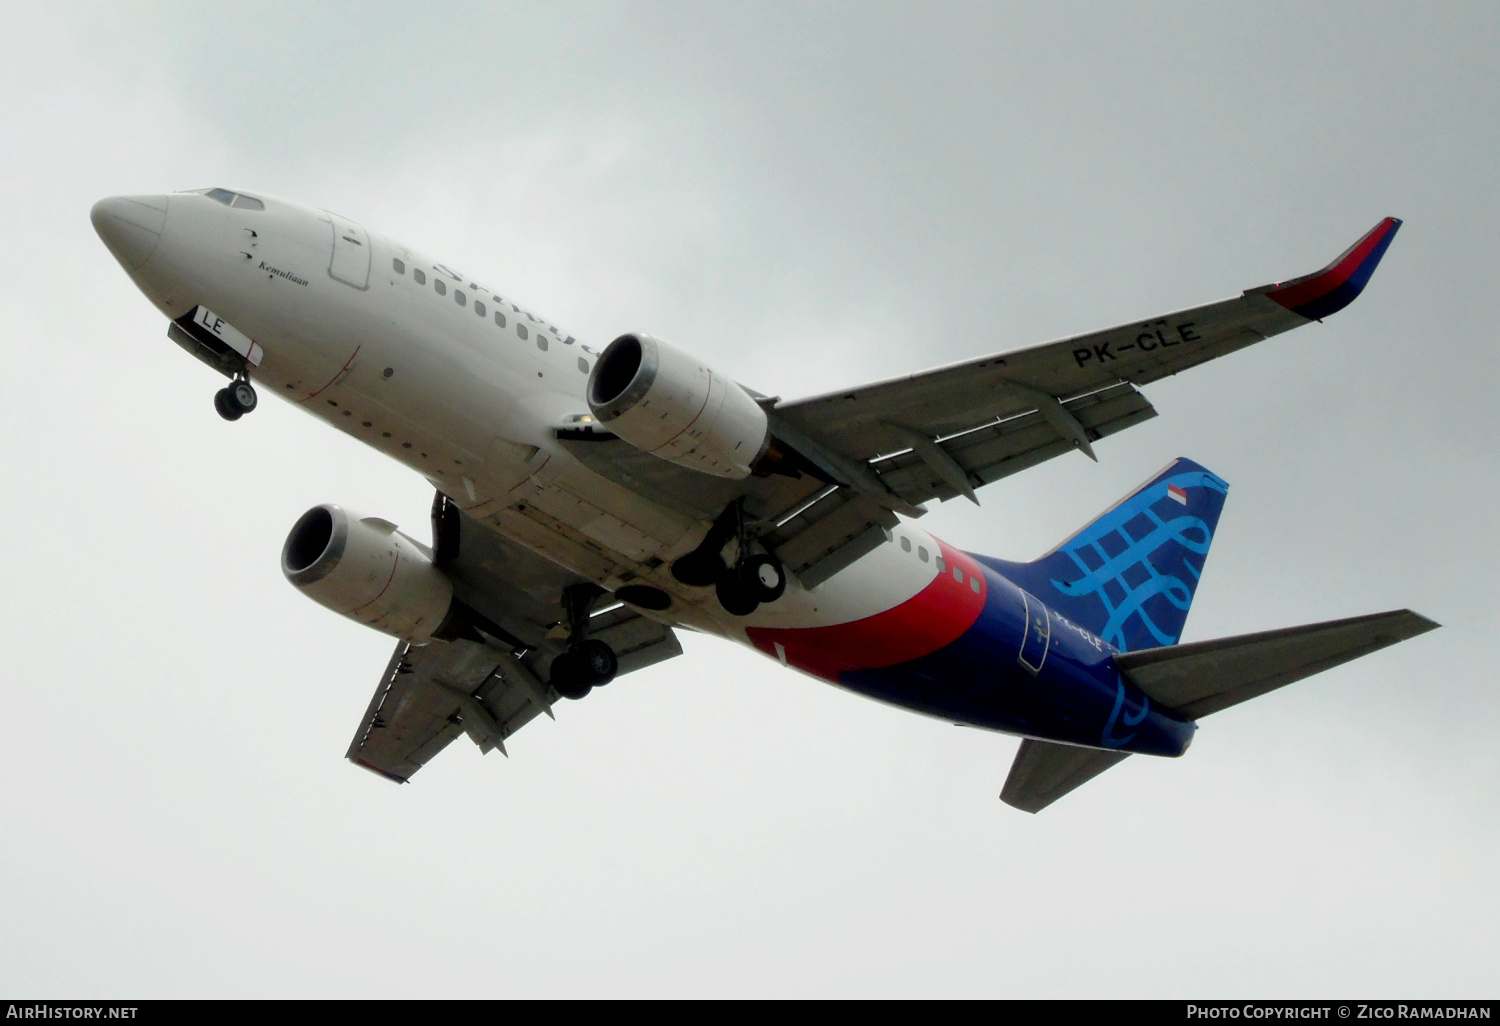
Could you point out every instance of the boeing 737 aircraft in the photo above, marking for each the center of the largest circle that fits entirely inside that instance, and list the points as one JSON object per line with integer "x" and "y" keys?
{"x": 589, "y": 502}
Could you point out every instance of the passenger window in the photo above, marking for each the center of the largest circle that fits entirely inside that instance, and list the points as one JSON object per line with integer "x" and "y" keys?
{"x": 521, "y": 330}
{"x": 248, "y": 203}
{"x": 223, "y": 196}
{"x": 905, "y": 544}
{"x": 541, "y": 343}
{"x": 441, "y": 286}
{"x": 479, "y": 307}
{"x": 459, "y": 297}
{"x": 397, "y": 265}
{"x": 922, "y": 553}
{"x": 420, "y": 275}
{"x": 499, "y": 319}
{"x": 583, "y": 365}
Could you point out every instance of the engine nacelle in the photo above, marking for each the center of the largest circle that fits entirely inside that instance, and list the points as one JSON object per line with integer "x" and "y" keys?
{"x": 365, "y": 569}
{"x": 665, "y": 402}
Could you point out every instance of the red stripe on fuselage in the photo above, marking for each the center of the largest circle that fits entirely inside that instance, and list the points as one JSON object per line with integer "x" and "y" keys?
{"x": 934, "y": 617}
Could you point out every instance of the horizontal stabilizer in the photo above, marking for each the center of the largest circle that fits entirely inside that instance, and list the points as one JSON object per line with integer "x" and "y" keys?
{"x": 1206, "y": 676}
{"x": 1045, "y": 771}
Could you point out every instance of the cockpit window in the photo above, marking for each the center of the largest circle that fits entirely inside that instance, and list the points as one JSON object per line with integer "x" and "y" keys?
{"x": 232, "y": 199}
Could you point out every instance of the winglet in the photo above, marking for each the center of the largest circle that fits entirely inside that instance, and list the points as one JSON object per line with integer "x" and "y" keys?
{"x": 1328, "y": 291}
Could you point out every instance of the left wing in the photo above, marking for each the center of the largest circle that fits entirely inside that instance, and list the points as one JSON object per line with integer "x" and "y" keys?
{"x": 983, "y": 419}
{"x": 491, "y": 682}
{"x": 860, "y": 456}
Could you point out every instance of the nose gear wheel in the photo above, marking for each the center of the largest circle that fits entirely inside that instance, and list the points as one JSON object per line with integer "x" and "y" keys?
{"x": 236, "y": 399}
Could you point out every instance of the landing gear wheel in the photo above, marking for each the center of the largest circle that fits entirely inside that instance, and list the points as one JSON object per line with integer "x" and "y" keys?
{"x": 762, "y": 578}
{"x": 227, "y": 407}
{"x": 596, "y": 661}
{"x": 733, "y": 596}
{"x": 243, "y": 394}
{"x": 568, "y": 677}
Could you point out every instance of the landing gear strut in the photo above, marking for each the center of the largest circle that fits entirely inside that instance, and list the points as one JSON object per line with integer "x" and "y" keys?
{"x": 742, "y": 587}
{"x": 588, "y": 662}
{"x": 235, "y": 399}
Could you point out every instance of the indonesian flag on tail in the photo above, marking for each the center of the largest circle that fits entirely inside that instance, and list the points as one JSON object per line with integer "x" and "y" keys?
{"x": 1177, "y": 494}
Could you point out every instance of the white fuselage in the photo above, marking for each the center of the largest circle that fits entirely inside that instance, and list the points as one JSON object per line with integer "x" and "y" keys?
{"x": 463, "y": 385}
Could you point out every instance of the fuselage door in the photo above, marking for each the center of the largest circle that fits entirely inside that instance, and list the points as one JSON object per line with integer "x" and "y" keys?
{"x": 350, "y": 262}
{"x": 1036, "y": 636}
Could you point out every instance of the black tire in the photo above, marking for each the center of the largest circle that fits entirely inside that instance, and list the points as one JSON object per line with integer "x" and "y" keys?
{"x": 242, "y": 393}
{"x": 225, "y": 404}
{"x": 698, "y": 570}
{"x": 762, "y": 578}
{"x": 567, "y": 677}
{"x": 733, "y": 596}
{"x": 596, "y": 662}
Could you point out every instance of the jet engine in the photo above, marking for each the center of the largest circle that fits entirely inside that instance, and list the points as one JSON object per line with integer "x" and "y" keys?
{"x": 367, "y": 570}
{"x": 668, "y": 403}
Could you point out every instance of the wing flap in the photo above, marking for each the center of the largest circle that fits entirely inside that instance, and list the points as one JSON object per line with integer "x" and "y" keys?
{"x": 1206, "y": 677}
{"x": 1044, "y": 771}
{"x": 637, "y": 641}
{"x": 830, "y": 534}
{"x": 414, "y": 714}
{"x": 997, "y": 450}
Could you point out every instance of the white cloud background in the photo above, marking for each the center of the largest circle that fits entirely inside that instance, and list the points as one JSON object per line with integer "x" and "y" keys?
{"x": 809, "y": 196}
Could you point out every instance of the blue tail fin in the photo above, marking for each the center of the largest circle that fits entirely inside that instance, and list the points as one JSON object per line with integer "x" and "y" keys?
{"x": 1130, "y": 575}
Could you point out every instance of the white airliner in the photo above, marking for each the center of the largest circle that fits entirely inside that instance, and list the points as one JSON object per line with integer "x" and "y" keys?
{"x": 589, "y": 502}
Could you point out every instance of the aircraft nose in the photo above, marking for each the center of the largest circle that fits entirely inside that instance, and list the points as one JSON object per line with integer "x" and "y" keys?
{"x": 130, "y": 226}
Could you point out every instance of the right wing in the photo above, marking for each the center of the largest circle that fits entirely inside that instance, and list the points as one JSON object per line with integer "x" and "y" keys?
{"x": 492, "y": 682}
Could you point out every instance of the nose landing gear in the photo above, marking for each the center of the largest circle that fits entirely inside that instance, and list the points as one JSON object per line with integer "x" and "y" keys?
{"x": 235, "y": 399}
{"x": 588, "y": 662}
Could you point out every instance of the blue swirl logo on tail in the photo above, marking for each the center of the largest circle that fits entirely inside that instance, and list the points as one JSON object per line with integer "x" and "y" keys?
{"x": 1142, "y": 559}
{"x": 1108, "y": 738}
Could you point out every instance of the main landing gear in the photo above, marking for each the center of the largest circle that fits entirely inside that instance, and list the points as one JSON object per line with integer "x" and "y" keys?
{"x": 588, "y": 662}
{"x": 741, "y": 586}
{"x": 236, "y": 399}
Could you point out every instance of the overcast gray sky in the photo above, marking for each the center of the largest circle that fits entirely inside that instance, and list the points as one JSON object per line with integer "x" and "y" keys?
{"x": 808, "y": 196}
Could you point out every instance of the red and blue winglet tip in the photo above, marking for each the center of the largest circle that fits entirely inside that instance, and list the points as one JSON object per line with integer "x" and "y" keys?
{"x": 1328, "y": 291}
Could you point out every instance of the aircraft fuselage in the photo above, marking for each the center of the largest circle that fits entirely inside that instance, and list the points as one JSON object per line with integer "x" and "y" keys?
{"x": 465, "y": 386}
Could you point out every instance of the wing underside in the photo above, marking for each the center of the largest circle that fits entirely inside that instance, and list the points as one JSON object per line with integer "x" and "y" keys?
{"x": 493, "y": 682}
